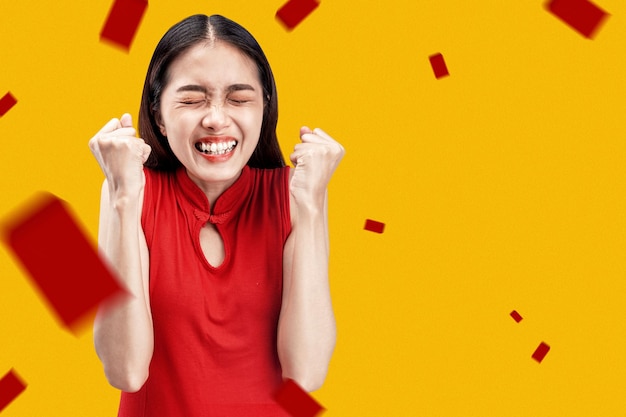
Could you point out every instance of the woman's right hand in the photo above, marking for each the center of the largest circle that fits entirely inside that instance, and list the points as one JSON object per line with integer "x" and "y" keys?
{"x": 121, "y": 155}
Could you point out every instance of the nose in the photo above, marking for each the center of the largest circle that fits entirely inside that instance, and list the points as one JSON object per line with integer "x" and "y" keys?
{"x": 216, "y": 118}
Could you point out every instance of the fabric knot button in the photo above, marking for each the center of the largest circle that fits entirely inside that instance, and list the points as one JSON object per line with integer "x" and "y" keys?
{"x": 201, "y": 215}
{"x": 219, "y": 218}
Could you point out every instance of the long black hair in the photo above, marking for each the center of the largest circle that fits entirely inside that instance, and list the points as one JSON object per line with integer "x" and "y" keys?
{"x": 178, "y": 39}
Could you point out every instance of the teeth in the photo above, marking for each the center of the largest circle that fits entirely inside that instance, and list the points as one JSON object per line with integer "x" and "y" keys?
{"x": 217, "y": 148}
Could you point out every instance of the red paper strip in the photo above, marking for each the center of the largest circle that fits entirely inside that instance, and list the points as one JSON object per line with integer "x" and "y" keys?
{"x": 439, "y": 65}
{"x": 541, "y": 352}
{"x": 295, "y": 11}
{"x": 123, "y": 21}
{"x": 296, "y": 401}
{"x": 59, "y": 258}
{"x": 516, "y": 316}
{"x": 6, "y": 102}
{"x": 11, "y": 386}
{"x": 582, "y": 15}
{"x": 374, "y": 226}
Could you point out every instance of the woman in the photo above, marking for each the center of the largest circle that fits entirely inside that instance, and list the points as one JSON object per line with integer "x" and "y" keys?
{"x": 222, "y": 248}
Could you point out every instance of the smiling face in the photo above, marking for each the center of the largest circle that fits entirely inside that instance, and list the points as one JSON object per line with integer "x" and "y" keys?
{"x": 211, "y": 112}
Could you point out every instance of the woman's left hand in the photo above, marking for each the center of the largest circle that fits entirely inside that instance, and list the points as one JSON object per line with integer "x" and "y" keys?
{"x": 315, "y": 160}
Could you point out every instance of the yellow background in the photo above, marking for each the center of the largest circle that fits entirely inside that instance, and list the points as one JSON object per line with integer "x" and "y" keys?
{"x": 502, "y": 187}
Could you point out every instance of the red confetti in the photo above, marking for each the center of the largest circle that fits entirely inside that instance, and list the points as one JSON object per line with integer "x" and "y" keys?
{"x": 374, "y": 226}
{"x": 6, "y": 103}
{"x": 516, "y": 316}
{"x": 541, "y": 352}
{"x": 295, "y": 11}
{"x": 296, "y": 401}
{"x": 439, "y": 65}
{"x": 582, "y": 15}
{"x": 123, "y": 22}
{"x": 61, "y": 261}
{"x": 10, "y": 387}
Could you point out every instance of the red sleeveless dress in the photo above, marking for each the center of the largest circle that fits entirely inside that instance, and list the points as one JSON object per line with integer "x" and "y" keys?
{"x": 214, "y": 327}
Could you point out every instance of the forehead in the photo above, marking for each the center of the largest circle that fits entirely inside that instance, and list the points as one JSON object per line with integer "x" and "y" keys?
{"x": 215, "y": 65}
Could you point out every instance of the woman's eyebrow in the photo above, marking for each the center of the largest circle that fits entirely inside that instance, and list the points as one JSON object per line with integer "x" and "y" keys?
{"x": 202, "y": 89}
{"x": 239, "y": 87}
{"x": 192, "y": 87}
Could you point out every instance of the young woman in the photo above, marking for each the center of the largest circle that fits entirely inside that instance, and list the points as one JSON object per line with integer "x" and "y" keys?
{"x": 222, "y": 248}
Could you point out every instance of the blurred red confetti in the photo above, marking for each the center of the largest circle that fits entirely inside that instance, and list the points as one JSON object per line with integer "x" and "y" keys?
{"x": 295, "y": 11}
{"x": 10, "y": 387}
{"x": 516, "y": 316}
{"x": 439, "y": 65}
{"x": 296, "y": 401}
{"x": 582, "y": 15}
{"x": 123, "y": 22}
{"x": 6, "y": 103}
{"x": 374, "y": 226}
{"x": 541, "y": 352}
{"x": 60, "y": 259}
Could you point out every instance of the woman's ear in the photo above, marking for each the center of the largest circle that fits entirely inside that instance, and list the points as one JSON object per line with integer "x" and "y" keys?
{"x": 159, "y": 121}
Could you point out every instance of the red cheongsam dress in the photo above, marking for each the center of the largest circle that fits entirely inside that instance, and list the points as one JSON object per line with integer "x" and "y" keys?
{"x": 215, "y": 326}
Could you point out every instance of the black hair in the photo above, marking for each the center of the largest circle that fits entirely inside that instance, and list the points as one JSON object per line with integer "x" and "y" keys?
{"x": 178, "y": 39}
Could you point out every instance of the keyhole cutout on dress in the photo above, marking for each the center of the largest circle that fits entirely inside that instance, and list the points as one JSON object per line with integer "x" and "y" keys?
{"x": 212, "y": 245}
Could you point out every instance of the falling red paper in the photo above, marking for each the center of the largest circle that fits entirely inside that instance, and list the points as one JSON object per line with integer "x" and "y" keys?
{"x": 374, "y": 226}
{"x": 541, "y": 352}
{"x": 296, "y": 401}
{"x": 6, "y": 103}
{"x": 11, "y": 385}
{"x": 582, "y": 15}
{"x": 516, "y": 316}
{"x": 295, "y": 11}
{"x": 59, "y": 258}
{"x": 123, "y": 21}
{"x": 439, "y": 65}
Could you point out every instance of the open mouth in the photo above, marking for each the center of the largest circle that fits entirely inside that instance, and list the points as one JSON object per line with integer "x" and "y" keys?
{"x": 219, "y": 148}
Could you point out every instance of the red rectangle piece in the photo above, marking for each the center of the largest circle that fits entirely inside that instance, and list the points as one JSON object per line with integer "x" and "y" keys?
{"x": 6, "y": 102}
{"x": 541, "y": 352}
{"x": 374, "y": 226}
{"x": 582, "y": 15}
{"x": 516, "y": 316}
{"x": 296, "y": 401}
{"x": 59, "y": 258}
{"x": 123, "y": 21}
{"x": 10, "y": 387}
{"x": 295, "y": 11}
{"x": 439, "y": 65}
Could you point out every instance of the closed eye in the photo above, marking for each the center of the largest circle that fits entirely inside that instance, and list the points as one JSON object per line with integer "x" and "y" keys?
{"x": 234, "y": 101}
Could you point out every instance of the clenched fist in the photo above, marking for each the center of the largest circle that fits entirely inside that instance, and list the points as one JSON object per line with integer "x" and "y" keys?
{"x": 121, "y": 155}
{"x": 315, "y": 160}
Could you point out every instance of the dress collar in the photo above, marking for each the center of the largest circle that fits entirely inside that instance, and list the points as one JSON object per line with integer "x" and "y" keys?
{"x": 226, "y": 205}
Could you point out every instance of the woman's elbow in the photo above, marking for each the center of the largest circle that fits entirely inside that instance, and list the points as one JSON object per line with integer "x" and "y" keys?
{"x": 127, "y": 381}
{"x": 312, "y": 384}
{"x": 310, "y": 379}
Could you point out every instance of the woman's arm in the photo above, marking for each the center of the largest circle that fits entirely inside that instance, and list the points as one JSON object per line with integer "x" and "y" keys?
{"x": 123, "y": 334}
{"x": 306, "y": 328}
